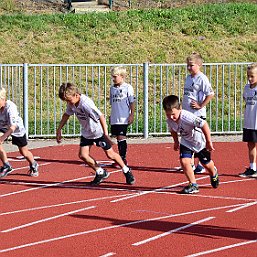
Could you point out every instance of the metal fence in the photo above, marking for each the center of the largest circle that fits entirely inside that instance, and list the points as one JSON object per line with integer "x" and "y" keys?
{"x": 34, "y": 88}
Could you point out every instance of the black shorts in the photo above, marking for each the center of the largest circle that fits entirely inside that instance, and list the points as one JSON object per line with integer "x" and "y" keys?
{"x": 20, "y": 141}
{"x": 249, "y": 135}
{"x": 204, "y": 156}
{"x": 100, "y": 142}
{"x": 119, "y": 130}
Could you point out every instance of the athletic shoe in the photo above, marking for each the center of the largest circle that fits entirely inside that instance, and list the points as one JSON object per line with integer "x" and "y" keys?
{"x": 5, "y": 170}
{"x": 215, "y": 180}
{"x": 248, "y": 173}
{"x": 33, "y": 171}
{"x": 99, "y": 178}
{"x": 190, "y": 189}
{"x": 199, "y": 169}
{"x": 129, "y": 177}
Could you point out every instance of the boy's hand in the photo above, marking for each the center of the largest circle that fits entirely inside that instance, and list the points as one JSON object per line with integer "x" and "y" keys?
{"x": 59, "y": 136}
{"x": 108, "y": 138}
{"x": 130, "y": 119}
{"x": 209, "y": 146}
{"x": 176, "y": 146}
{"x": 195, "y": 105}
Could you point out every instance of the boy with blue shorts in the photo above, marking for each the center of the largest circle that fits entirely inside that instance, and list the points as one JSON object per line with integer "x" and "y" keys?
{"x": 93, "y": 131}
{"x": 195, "y": 139}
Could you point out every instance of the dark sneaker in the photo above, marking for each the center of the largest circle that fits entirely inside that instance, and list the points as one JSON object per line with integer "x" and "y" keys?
{"x": 5, "y": 170}
{"x": 248, "y": 173}
{"x": 190, "y": 189}
{"x": 215, "y": 180}
{"x": 129, "y": 177}
{"x": 199, "y": 169}
{"x": 99, "y": 178}
{"x": 33, "y": 171}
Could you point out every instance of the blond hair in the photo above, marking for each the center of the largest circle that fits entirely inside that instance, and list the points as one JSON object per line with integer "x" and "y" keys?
{"x": 2, "y": 93}
{"x": 196, "y": 58}
{"x": 67, "y": 89}
{"x": 119, "y": 70}
{"x": 252, "y": 67}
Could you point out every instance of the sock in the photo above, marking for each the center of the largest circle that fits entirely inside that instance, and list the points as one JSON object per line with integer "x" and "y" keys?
{"x": 122, "y": 146}
{"x": 125, "y": 169}
{"x": 253, "y": 166}
{"x": 100, "y": 171}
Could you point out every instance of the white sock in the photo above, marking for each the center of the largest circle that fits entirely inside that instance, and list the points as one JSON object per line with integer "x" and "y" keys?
{"x": 125, "y": 169}
{"x": 100, "y": 171}
{"x": 253, "y": 166}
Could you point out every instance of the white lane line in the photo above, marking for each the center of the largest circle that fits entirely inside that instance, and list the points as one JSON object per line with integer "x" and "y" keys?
{"x": 60, "y": 204}
{"x": 47, "y": 219}
{"x": 172, "y": 231}
{"x": 242, "y": 207}
{"x": 222, "y": 248}
{"x": 152, "y": 191}
{"x": 230, "y": 181}
{"x": 49, "y": 185}
{"x": 109, "y": 227}
{"x": 107, "y": 255}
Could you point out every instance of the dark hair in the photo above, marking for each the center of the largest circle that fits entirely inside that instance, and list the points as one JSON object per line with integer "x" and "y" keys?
{"x": 67, "y": 89}
{"x": 169, "y": 102}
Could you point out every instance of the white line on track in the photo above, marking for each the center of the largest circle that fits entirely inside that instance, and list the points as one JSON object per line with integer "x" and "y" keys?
{"x": 47, "y": 219}
{"x": 111, "y": 227}
{"x": 242, "y": 207}
{"x": 222, "y": 248}
{"x": 230, "y": 181}
{"x": 61, "y": 204}
{"x": 107, "y": 255}
{"x": 172, "y": 231}
{"x": 152, "y": 191}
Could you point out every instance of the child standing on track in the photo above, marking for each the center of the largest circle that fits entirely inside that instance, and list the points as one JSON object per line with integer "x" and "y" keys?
{"x": 195, "y": 138}
{"x": 93, "y": 131}
{"x": 197, "y": 92}
{"x": 250, "y": 119}
{"x": 122, "y": 102}
{"x": 11, "y": 124}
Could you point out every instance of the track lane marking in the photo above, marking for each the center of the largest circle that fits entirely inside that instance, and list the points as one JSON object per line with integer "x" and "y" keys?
{"x": 222, "y": 248}
{"x": 47, "y": 219}
{"x": 107, "y": 255}
{"x": 172, "y": 231}
{"x": 242, "y": 207}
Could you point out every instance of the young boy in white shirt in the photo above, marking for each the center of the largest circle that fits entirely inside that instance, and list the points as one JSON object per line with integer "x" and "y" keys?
{"x": 195, "y": 139}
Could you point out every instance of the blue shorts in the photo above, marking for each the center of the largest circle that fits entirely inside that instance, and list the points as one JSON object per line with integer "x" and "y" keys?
{"x": 100, "y": 142}
{"x": 204, "y": 156}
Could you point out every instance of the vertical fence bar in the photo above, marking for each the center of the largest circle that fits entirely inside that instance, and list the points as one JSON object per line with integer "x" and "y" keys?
{"x": 145, "y": 75}
{"x": 25, "y": 98}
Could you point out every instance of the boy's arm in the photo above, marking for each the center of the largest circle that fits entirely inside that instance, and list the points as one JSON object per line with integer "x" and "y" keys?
{"x": 132, "y": 111}
{"x": 175, "y": 138}
{"x": 207, "y": 134}
{"x": 7, "y": 133}
{"x": 105, "y": 128}
{"x": 63, "y": 121}
{"x": 198, "y": 106}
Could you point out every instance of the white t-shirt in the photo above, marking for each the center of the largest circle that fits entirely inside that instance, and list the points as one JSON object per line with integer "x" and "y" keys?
{"x": 120, "y": 99}
{"x": 189, "y": 127}
{"x": 196, "y": 88}
{"x": 89, "y": 117}
{"x": 9, "y": 116}
{"x": 250, "y": 113}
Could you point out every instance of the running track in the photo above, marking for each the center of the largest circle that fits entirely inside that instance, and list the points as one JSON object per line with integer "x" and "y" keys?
{"x": 60, "y": 214}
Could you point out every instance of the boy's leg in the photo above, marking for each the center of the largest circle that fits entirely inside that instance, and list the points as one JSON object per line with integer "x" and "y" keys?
{"x": 122, "y": 147}
{"x": 252, "y": 154}
{"x": 6, "y": 168}
{"x": 188, "y": 170}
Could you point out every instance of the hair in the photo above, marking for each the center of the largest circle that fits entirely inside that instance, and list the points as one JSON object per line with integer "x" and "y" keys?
{"x": 252, "y": 67}
{"x": 2, "y": 93}
{"x": 67, "y": 89}
{"x": 195, "y": 57}
{"x": 170, "y": 102}
{"x": 119, "y": 70}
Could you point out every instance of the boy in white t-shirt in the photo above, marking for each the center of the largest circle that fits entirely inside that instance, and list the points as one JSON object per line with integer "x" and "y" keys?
{"x": 198, "y": 92}
{"x": 195, "y": 139}
{"x": 250, "y": 119}
{"x": 122, "y": 102}
{"x": 94, "y": 131}
{"x": 11, "y": 124}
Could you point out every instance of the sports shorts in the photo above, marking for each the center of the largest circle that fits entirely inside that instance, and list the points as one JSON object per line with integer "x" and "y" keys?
{"x": 119, "y": 130}
{"x": 249, "y": 135}
{"x": 99, "y": 142}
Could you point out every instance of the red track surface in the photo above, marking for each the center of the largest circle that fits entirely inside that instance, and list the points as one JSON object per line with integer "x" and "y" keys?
{"x": 60, "y": 214}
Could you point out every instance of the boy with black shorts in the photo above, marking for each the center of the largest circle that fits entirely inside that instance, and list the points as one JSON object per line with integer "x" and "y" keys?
{"x": 122, "y": 102}
{"x": 195, "y": 139}
{"x": 250, "y": 120}
{"x": 93, "y": 131}
{"x": 11, "y": 124}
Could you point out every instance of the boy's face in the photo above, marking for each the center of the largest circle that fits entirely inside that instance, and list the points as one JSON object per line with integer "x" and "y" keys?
{"x": 193, "y": 67}
{"x": 117, "y": 79}
{"x": 173, "y": 114}
{"x": 72, "y": 99}
{"x": 252, "y": 77}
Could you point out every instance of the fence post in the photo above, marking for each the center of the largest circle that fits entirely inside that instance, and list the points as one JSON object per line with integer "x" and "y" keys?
{"x": 145, "y": 75}
{"x": 25, "y": 98}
